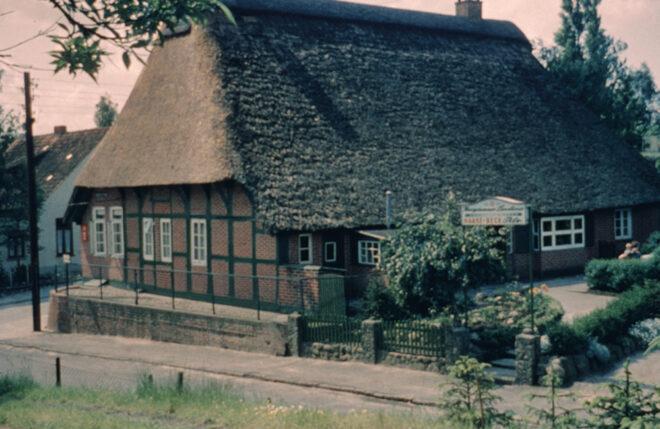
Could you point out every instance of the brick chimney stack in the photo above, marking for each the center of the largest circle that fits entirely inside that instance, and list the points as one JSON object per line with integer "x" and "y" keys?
{"x": 469, "y": 8}
{"x": 60, "y": 129}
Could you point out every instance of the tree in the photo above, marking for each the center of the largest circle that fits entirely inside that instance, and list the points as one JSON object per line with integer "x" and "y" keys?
{"x": 106, "y": 112}
{"x": 432, "y": 257}
{"x": 628, "y": 406}
{"x": 469, "y": 399}
{"x": 13, "y": 183}
{"x": 126, "y": 25}
{"x": 588, "y": 63}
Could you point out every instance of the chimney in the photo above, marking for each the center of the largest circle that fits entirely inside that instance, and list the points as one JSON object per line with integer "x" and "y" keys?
{"x": 60, "y": 129}
{"x": 468, "y": 8}
{"x": 388, "y": 209}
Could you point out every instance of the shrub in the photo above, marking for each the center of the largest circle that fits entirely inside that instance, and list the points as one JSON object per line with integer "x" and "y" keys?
{"x": 565, "y": 340}
{"x": 652, "y": 243}
{"x": 645, "y": 331}
{"x": 609, "y": 324}
{"x": 501, "y": 317}
{"x": 432, "y": 257}
{"x": 379, "y": 302}
{"x": 615, "y": 275}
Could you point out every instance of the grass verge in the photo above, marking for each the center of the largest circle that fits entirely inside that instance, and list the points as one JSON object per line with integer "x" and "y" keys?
{"x": 24, "y": 404}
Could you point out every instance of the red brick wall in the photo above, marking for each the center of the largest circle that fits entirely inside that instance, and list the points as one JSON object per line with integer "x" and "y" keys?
{"x": 646, "y": 219}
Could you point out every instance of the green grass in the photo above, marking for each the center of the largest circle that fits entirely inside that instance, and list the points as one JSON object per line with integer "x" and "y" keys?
{"x": 24, "y": 404}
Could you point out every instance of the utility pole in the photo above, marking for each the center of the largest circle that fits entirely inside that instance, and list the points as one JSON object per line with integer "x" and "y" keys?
{"x": 32, "y": 209}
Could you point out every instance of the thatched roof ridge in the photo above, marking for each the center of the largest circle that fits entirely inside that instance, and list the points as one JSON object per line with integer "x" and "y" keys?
{"x": 317, "y": 118}
{"x": 346, "y": 11}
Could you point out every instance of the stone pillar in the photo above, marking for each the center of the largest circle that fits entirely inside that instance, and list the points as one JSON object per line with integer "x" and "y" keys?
{"x": 528, "y": 352}
{"x": 295, "y": 328}
{"x": 372, "y": 339}
{"x": 458, "y": 343}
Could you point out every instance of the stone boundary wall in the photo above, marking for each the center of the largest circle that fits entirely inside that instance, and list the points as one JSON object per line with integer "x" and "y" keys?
{"x": 94, "y": 316}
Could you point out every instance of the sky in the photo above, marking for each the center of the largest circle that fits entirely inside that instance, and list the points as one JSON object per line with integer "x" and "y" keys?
{"x": 62, "y": 99}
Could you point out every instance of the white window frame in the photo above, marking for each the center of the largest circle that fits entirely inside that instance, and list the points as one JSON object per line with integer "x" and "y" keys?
{"x": 623, "y": 224}
{"x": 554, "y": 233}
{"x": 166, "y": 249}
{"x": 368, "y": 252}
{"x": 116, "y": 232}
{"x": 98, "y": 219}
{"x": 198, "y": 253}
{"x": 332, "y": 244}
{"x": 148, "y": 239}
{"x": 309, "y": 248}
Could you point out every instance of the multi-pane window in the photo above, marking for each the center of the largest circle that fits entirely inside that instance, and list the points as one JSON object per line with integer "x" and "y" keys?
{"x": 368, "y": 252}
{"x": 117, "y": 231}
{"x": 15, "y": 248}
{"x": 330, "y": 251}
{"x": 63, "y": 238}
{"x": 305, "y": 248}
{"x": 562, "y": 232}
{"x": 622, "y": 224}
{"x": 148, "y": 239}
{"x": 198, "y": 242}
{"x": 166, "y": 240}
{"x": 98, "y": 231}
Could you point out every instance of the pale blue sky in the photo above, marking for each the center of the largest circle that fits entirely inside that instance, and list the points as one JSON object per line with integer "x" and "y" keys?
{"x": 63, "y": 100}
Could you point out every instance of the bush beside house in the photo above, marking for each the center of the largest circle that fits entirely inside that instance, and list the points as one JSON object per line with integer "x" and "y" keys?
{"x": 613, "y": 275}
{"x": 595, "y": 340}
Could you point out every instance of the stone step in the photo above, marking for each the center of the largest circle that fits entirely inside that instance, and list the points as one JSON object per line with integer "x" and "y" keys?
{"x": 502, "y": 375}
{"x": 511, "y": 353}
{"x": 504, "y": 363}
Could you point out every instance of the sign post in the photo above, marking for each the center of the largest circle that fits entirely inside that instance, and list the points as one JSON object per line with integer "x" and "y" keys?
{"x": 504, "y": 211}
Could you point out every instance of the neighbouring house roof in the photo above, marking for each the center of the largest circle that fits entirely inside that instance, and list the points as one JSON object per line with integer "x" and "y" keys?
{"x": 56, "y": 155}
{"x": 319, "y": 107}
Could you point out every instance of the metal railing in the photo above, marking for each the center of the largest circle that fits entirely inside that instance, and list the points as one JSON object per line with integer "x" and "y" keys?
{"x": 332, "y": 330}
{"x": 260, "y": 293}
{"x": 414, "y": 337}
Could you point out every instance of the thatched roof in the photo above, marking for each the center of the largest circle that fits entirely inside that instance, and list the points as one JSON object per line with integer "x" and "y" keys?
{"x": 319, "y": 107}
{"x": 56, "y": 155}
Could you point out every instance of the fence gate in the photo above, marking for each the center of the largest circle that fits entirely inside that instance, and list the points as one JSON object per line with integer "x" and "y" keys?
{"x": 332, "y": 300}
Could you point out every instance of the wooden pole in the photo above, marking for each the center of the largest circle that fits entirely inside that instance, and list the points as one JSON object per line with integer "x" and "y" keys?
{"x": 32, "y": 208}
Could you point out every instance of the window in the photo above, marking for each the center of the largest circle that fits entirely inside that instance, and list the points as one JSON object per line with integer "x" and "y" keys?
{"x": 117, "y": 231}
{"x": 15, "y": 248}
{"x": 368, "y": 252}
{"x": 622, "y": 224}
{"x": 63, "y": 238}
{"x": 98, "y": 231}
{"x": 563, "y": 232}
{"x": 305, "y": 248}
{"x": 148, "y": 239}
{"x": 166, "y": 240}
{"x": 198, "y": 242}
{"x": 330, "y": 251}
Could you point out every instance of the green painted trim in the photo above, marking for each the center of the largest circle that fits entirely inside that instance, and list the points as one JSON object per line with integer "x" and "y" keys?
{"x": 242, "y": 260}
{"x": 230, "y": 241}
{"x": 183, "y": 215}
{"x": 132, "y": 250}
{"x": 139, "y": 196}
{"x": 124, "y": 233}
{"x": 186, "y": 205}
{"x": 209, "y": 268}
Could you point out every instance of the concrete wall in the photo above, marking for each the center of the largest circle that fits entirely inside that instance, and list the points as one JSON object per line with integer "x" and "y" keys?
{"x": 91, "y": 316}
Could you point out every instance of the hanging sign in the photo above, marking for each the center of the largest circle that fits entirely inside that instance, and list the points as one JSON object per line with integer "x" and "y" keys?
{"x": 497, "y": 211}
{"x": 66, "y": 258}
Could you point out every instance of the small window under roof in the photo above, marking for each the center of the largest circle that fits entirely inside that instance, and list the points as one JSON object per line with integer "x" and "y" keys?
{"x": 69, "y": 156}
{"x": 49, "y": 178}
